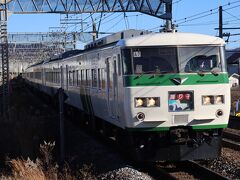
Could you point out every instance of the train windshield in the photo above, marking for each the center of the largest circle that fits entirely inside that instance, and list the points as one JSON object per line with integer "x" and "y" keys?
{"x": 150, "y": 60}
{"x": 201, "y": 59}
{"x": 164, "y": 60}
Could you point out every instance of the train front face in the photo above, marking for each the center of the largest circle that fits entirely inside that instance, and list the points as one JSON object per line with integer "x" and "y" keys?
{"x": 177, "y": 100}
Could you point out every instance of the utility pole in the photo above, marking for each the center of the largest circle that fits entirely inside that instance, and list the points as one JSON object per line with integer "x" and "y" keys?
{"x": 220, "y": 22}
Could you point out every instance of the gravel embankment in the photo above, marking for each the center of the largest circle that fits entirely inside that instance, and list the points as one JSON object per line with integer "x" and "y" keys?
{"x": 228, "y": 164}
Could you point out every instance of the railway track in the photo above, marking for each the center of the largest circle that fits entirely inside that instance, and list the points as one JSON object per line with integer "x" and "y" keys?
{"x": 179, "y": 170}
{"x": 231, "y": 139}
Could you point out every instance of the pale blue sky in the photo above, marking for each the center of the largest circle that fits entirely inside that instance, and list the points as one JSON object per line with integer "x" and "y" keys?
{"x": 203, "y": 23}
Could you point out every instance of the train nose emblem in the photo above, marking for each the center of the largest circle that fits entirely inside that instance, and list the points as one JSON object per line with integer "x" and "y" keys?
{"x": 178, "y": 81}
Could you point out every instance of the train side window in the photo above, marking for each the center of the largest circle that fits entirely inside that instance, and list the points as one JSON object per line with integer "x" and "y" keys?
{"x": 73, "y": 78}
{"x": 87, "y": 78}
{"x": 76, "y": 75}
{"x": 54, "y": 77}
{"x": 103, "y": 79}
{"x": 79, "y": 77}
{"x": 119, "y": 64}
{"x": 94, "y": 78}
{"x": 58, "y": 77}
{"x": 52, "y": 74}
{"x": 114, "y": 60}
{"x": 82, "y": 77}
{"x": 51, "y": 77}
{"x": 127, "y": 61}
{"x": 70, "y": 78}
{"x": 99, "y": 78}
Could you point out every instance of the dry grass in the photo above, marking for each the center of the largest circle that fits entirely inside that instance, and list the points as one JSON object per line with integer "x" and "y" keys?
{"x": 44, "y": 168}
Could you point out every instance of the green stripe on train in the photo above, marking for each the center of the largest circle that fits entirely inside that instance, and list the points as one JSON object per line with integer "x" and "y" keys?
{"x": 167, "y": 79}
{"x": 219, "y": 126}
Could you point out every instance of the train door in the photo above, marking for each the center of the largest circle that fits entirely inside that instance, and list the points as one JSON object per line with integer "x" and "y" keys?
{"x": 115, "y": 86}
{"x": 112, "y": 89}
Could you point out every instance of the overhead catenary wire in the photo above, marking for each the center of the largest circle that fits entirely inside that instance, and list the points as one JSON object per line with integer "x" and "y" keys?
{"x": 206, "y": 13}
{"x": 231, "y": 15}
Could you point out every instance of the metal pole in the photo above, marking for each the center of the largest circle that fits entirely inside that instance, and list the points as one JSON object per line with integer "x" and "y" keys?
{"x": 5, "y": 62}
{"x": 220, "y": 22}
{"x": 169, "y": 21}
{"x": 61, "y": 122}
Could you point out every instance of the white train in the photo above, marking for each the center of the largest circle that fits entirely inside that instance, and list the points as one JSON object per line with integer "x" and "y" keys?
{"x": 165, "y": 96}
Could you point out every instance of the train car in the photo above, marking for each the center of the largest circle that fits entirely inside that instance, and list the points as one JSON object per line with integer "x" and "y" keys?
{"x": 162, "y": 96}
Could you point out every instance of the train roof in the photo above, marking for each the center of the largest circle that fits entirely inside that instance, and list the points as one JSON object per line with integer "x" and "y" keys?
{"x": 114, "y": 38}
{"x": 171, "y": 39}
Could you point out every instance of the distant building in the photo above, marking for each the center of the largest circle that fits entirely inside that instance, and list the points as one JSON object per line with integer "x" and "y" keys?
{"x": 234, "y": 80}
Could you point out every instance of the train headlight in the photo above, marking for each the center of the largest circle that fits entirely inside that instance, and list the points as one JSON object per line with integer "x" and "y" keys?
{"x": 153, "y": 102}
{"x": 209, "y": 100}
{"x": 139, "y": 102}
{"x": 219, "y": 99}
{"x": 147, "y": 102}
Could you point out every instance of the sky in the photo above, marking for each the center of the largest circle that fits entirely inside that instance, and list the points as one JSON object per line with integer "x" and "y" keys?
{"x": 197, "y": 16}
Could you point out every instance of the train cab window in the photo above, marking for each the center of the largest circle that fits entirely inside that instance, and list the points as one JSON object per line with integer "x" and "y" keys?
{"x": 150, "y": 60}
{"x": 200, "y": 59}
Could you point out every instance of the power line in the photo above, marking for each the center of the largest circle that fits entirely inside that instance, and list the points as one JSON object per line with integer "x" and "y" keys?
{"x": 177, "y": 1}
{"x": 114, "y": 24}
{"x": 205, "y": 13}
{"x": 231, "y": 15}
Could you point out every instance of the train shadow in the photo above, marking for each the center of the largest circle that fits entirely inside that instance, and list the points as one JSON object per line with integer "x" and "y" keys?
{"x": 33, "y": 120}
